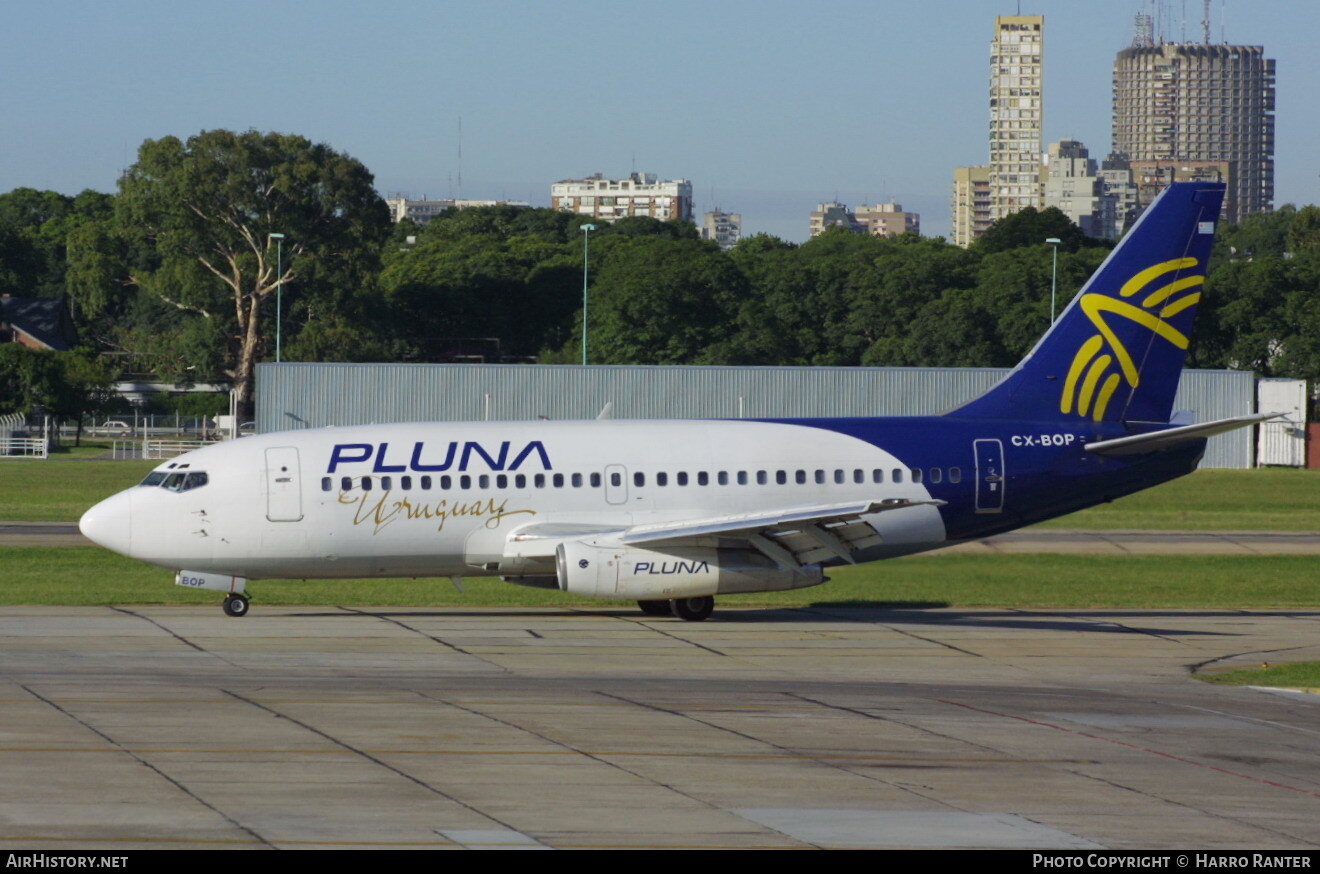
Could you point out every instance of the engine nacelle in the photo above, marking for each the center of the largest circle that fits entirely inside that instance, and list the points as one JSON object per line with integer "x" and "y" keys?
{"x": 688, "y": 572}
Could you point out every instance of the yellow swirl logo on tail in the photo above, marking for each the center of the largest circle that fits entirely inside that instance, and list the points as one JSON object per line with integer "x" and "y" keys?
{"x": 1091, "y": 382}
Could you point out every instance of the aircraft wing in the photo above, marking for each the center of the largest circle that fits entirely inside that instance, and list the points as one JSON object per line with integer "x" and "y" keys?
{"x": 789, "y": 536}
{"x": 1157, "y": 440}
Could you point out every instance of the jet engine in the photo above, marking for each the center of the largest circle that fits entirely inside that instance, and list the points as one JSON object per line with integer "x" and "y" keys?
{"x": 682, "y": 572}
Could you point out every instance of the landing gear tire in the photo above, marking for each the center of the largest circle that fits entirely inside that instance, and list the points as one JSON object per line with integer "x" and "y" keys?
{"x": 655, "y": 608}
{"x": 236, "y": 605}
{"x": 693, "y": 609}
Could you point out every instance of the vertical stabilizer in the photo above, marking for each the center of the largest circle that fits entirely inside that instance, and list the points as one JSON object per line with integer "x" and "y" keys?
{"x": 1116, "y": 353}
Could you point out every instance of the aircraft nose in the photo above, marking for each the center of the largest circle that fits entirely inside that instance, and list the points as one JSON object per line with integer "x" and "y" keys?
{"x": 110, "y": 523}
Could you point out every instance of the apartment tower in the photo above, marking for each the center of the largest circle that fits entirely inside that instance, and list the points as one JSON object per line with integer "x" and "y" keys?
{"x": 1197, "y": 104}
{"x": 1016, "y": 120}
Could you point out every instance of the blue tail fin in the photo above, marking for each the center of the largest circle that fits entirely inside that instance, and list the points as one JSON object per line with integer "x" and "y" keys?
{"x": 1116, "y": 353}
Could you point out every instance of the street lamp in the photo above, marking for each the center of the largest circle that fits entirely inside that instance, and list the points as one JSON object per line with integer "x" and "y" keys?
{"x": 279, "y": 289}
{"x": 586, "y": 235}
{"x": 1054, "y": 275}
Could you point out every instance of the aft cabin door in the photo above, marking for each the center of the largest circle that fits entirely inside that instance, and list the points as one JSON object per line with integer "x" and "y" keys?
{"x": 990, "y": 479}
{"x": 283, "y": 492}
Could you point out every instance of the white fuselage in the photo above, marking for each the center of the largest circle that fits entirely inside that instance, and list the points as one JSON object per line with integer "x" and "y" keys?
{"x": 443, "y": 499}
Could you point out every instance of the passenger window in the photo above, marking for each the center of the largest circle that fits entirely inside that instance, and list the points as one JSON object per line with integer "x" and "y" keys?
{"x": 366, "y": 484}
{"x": 577, "y": 480}
{"x": 936, "y": 474}
{"x": 346, "y": 484}
{"x": 877, "y": 475}
{"x": 502, "y": 481}
{"x": 426, "y": 483}
{"x": 722, "y": 477}
{"x": 742, "y": 477}
{"x": 539, "y": 480}
{"x": 326, "y": 484}
{"x": 703, "y": 478}
{"x": 595, "y": 480}
{"x": 386, "y": 483}
{"x": 405, "y": 483}
{"x": 781, "y": 477}
{"x": 680, "y": 478}
{"x": 859, "y": 475}
{"x": 446, "y": 483}
{"x": 761, "y": 478}
{"x": 898, "y": 474}
{"x": 465, "y": 482}
{"x": 558, "y": 480}
{"x": 916, "y": 475}
{"x": 483, "y": 481}
{"x": 520, "y": 481}
{"x": 820, "y": 476}
{"x": 639, "y": 479}
{"x": 955, "y": 474}
{"x": 662, "y": 479}
{"x": 800, "y": 477}
{"x": 616, "y": 479}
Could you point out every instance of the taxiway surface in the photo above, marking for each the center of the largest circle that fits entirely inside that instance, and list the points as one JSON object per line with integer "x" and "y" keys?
{"x": 179, "y": 727}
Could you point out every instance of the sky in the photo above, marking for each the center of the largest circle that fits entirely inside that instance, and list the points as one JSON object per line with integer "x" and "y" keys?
{"x": 767, "y": 106}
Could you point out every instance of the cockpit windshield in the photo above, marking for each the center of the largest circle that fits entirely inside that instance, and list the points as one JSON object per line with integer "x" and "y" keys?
{"x": 178, "y": 481}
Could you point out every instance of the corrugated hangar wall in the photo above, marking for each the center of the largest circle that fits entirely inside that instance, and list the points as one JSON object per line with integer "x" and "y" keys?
{"x": 291, "y": 396}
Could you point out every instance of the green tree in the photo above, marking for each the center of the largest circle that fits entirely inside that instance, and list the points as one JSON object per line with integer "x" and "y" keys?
{"x": 208, "y": 207}
{"x": 1031, "y": 226}
{"x": 658, "y": 300}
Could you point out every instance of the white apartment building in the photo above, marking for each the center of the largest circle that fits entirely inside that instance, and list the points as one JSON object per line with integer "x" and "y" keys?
{"x": 609, "y": 200}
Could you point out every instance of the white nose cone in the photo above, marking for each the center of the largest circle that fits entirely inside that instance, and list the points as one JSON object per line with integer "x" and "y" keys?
{"x": 110, "y": 523}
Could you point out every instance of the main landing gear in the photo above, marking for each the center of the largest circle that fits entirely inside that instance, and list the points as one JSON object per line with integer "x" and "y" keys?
{"x": 236, "y": 605}
{"x": 689, "y": 609}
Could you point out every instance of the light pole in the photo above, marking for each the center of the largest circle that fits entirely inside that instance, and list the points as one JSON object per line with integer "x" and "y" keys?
{"x": 1054, "y": 275}
{"x": 279, "y": 289}
{"x": 586, "y": 235}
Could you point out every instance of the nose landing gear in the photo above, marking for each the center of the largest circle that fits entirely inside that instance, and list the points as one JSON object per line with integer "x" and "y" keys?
{"x": 236, "y": 605}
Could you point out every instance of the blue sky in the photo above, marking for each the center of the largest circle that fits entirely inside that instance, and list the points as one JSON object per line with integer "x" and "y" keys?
{"x": 768, "y": 107}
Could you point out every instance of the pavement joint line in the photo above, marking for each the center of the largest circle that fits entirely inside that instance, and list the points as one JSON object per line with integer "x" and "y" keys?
{"x": 435, "y": 790}
{"x": 1132, "y": 746}
{"x": 407, "y": 627}
{"x": 153, "y": 768}
{"x": 581, "y": 752}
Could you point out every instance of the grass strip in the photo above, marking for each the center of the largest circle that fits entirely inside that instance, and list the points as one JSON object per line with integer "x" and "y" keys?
{"x": 1299, "y": 675}
{"x": 1271, "y": 499}
{"x": 93, "y": 576}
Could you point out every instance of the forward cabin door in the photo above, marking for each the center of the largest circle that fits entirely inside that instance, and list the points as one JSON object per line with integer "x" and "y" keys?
{"x": 283, "y": 490}
{"x": 990, "y": 479}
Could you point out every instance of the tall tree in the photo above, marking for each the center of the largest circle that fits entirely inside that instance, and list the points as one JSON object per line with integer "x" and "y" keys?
{"x": 209, "y": 206}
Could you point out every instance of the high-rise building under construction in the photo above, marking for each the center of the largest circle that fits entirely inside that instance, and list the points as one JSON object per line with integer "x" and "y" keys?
{"x": 1182, "y": 107}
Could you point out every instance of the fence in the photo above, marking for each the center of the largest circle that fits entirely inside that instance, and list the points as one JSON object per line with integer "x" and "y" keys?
{"x": 153, "y": 449}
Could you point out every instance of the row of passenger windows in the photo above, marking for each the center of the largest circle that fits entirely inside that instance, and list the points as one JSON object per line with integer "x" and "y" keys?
{"x": 639, "y": 479}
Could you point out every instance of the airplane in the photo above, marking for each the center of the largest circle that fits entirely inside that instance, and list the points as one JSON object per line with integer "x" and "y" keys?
{"x": 671, "y": 513}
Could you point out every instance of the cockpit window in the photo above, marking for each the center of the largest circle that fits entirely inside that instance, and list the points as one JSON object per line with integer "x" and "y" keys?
{"x": 180, "y": 481}
{"x": 155, "y": 478}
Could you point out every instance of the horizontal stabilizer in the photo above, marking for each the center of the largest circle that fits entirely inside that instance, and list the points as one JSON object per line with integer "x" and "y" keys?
{"x": 1170, "y": 437}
